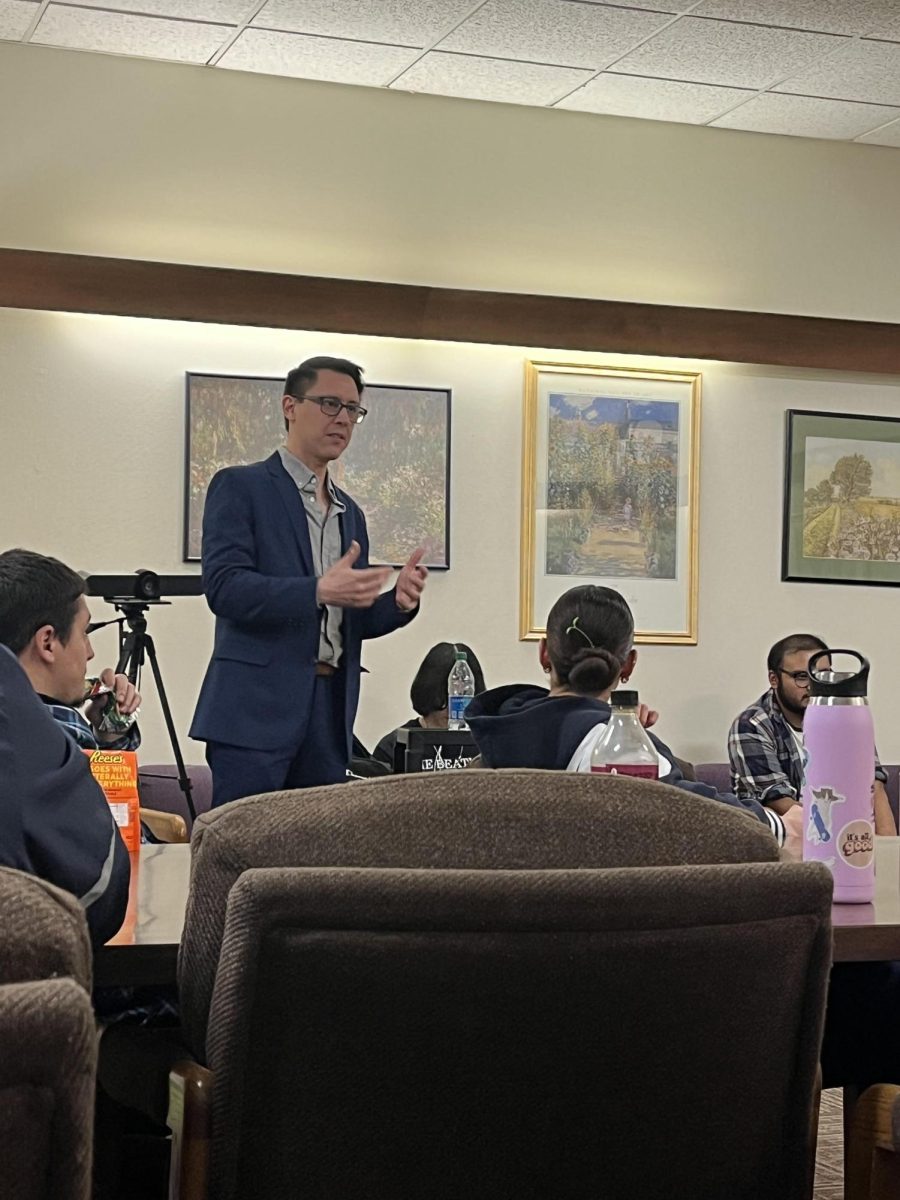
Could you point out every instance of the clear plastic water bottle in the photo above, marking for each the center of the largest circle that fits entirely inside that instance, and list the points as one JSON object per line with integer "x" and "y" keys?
{"x": 837, "y": 793}
{"x": 460, "y": 690}
{"x": 623, "y": 747}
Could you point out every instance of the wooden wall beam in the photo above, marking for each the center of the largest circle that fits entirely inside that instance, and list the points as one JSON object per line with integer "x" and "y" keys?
{"x": 81, "y": 283}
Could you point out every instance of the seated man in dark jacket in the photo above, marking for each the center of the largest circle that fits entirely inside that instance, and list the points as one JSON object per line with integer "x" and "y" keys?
{"x": 54, "y": 819}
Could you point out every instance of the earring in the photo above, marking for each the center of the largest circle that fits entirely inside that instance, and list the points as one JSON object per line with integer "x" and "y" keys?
{"x": 624, "y": 678}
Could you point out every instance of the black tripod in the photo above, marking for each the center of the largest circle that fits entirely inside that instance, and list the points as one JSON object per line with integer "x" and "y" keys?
{"x": 134, "y": 647}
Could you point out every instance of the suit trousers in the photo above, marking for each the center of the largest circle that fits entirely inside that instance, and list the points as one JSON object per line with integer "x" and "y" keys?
{"x": 323, "y": 757}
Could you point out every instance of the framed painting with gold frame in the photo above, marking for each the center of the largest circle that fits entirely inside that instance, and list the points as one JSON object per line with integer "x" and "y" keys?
{"x": 610, "y": 493}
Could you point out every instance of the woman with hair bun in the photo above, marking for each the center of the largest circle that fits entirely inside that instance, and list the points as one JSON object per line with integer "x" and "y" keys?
{"x": 587, "y": 652}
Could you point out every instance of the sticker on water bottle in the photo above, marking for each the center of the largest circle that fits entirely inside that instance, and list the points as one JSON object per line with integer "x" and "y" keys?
{"x": 856, "y": 843}
{"x": 458, "y": 706}
{"x": 820, "y": 815}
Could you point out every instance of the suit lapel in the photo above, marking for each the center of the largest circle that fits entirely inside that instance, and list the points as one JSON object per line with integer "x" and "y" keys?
{"x": 347, "y": 522}
{"x": 290, "y": 498}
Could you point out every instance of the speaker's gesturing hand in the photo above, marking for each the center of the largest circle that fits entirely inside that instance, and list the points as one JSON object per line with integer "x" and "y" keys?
{"x": 345, "y": 587}
{"x": 411, "y": 581}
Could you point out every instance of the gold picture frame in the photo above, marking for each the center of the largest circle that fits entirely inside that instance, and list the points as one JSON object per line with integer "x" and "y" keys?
{"x": 610, "y": 493}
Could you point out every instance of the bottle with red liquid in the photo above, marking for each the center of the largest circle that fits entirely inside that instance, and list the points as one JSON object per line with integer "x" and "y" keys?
{"x": 623, "y": 747}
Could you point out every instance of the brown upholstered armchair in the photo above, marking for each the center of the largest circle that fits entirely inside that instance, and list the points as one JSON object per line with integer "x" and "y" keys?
{"x": 48, "y": 1047}
{"x": 48, "y": 1066}
{"x": 508, "y": 821}
{"x": 479, "y": 1033}
{"x": 43, "y": 932}
{"x": 873, "y": 1147}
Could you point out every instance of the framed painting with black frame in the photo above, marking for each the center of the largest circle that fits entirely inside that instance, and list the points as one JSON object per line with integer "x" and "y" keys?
{"x": 397, "y": 466}
{"x": 610, "y": 492}
{"x": 841, "y": 499}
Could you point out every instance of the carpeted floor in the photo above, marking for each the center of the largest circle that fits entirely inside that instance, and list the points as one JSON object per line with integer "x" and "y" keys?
{"x": 830, "y": 1148}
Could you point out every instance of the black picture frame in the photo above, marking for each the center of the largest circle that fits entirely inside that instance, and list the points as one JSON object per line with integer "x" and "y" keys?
{"x": 841, "y": 514}
{"x": 397, "y": 467}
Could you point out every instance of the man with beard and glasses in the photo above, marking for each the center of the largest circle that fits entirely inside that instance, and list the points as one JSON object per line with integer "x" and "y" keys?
{"x": 765, "y": 743}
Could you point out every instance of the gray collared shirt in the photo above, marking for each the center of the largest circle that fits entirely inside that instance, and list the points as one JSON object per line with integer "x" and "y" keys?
{"x": 325, "y": 538}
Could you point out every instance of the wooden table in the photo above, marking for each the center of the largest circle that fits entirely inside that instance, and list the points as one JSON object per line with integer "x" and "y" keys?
{"x": 871, "y": 932}
{"x": 868, "y": 932}
{"x": 145, "y": 950}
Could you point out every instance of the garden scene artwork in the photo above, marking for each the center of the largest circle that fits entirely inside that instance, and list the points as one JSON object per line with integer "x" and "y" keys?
{"x": 396, "y": 467}
{"x": 851, "y": 500}
{"x": 609, "y": 492}
{"x": 612, "y": 486}
{"x": 841, "y": 499}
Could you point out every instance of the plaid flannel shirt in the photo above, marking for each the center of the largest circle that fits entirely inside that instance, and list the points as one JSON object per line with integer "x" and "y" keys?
{"x": 766, "y": 762}
{"x": 79, "y": 728}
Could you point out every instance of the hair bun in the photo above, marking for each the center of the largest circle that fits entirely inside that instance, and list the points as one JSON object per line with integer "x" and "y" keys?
{"x": 594, "y": 670}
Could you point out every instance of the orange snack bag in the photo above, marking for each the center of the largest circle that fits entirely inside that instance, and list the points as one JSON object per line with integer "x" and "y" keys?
{"x": 117, "y": 773}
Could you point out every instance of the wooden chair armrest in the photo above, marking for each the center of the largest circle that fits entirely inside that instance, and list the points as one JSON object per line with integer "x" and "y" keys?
{"x": 168, "y": 827}
{"x": 873, "y": 1156}
{"x": 814, "y": 1132}
{"x": 190, "y": 1120}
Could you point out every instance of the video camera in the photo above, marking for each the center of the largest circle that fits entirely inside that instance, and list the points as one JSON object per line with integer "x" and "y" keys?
{"x": 143, "y": 586}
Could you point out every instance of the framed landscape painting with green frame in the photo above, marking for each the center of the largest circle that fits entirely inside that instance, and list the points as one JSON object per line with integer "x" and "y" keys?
{"x": 841, "y": 499}
{"x": 609, "y": 493}
{"x": 397, "y": 467}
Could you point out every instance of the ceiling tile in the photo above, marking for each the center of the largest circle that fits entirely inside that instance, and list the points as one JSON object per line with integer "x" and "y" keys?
{"x": 331, "y": 59}
{"x": 725, "y": 53}
{"x": 889, "y": 136}
{"x": 825, "y": 16}
{"x": 653, "y": 99}
{"x": 671, "y": 7}
{"x": 403, "y": 22}
{"x": 230, "y": 12}
{"x": 489, "y": 79}
{"x": 15, "y": 17}
{"x": 805, "y": 116}
{"x": 553, "y": 31}
{"x": 122, "y": 33}
{"x": 889, "y": 28}
{"x": 859, "y": 71}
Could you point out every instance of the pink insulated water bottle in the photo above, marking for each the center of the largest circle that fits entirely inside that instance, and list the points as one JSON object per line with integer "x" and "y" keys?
{"x": 838, "y": 804}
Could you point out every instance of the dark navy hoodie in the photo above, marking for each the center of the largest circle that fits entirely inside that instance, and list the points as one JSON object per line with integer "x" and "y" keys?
{"x": 520, "y": 725}
{"x": 54, "y": 820}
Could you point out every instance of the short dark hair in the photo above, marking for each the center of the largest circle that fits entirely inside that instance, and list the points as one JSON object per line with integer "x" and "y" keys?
{"x": 790, "y": 645}
{"x": 306, "y": 374}
{"x": 36, "y": 590}
{"x": 590, "y": 631}
{"x": 429, "y": 688}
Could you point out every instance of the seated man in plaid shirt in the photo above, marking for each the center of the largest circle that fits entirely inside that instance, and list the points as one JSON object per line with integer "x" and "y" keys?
{"x": 45, "y": 622}
{"x": 765, "y": 743}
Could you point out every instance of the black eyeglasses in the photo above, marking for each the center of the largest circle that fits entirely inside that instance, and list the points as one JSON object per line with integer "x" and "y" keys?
{"x": 331, "y": 406}
{"x": 801, "y": 678}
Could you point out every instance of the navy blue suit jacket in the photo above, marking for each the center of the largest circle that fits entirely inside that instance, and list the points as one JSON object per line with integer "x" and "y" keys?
{"x": 260, "y": 582}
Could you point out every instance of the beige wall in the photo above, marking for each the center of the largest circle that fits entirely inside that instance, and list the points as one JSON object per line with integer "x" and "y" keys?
{"x": 122, "y": 157}
{"x": 100, "y": 155}
{"x": 91, "y": 460}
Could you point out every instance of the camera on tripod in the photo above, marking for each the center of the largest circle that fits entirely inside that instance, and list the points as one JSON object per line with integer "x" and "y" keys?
{"x": 132, "y": 595}
{"x": 143, "y": 587}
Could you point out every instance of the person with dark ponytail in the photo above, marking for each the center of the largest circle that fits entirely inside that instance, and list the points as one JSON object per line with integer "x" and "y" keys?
{"x": 587, "y": 652}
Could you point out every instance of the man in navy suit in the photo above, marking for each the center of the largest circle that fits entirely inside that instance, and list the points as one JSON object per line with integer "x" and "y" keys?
{"x": 286, "y": 572}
